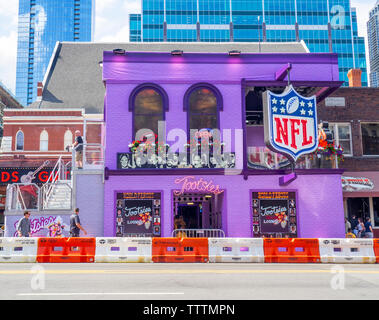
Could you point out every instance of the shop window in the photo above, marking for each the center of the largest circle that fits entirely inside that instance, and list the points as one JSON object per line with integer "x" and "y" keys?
{"x": 376, "y": 211}
{"x": 342, "y": 136}
{"x": 254, "y": 107}
{"x": 148, "y": 103}
{"x": 203, "y": 104}
{"x": 370, "y": 139}
{"x": 20, "y": 141}
{"x": 44, "y": 141}
{"x": 67, "y": 139}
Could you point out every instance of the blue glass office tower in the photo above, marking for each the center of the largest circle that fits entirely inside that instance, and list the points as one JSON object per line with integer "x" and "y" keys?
{"x": 324, "y": 25}
{"x": 41, "y": 23}
{"x": 373, "y": 45}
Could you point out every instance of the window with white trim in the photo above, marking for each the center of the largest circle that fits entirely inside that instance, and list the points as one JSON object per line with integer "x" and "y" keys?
{"x": 44, "y": 141}
{"x": 68, "y": 137}
{"x": 20, "y": 141}
{"x": 342, "y": 137}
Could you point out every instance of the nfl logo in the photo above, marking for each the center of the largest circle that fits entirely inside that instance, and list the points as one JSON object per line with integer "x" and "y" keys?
{"x": 290, "y": 123}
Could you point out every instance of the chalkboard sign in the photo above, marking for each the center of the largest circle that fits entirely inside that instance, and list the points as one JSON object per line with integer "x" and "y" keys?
{"x": 138, "y": 214}
{"x": 274, "y": 214}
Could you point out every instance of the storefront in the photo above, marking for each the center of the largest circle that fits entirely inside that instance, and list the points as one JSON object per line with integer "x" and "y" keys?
{"x": 361, "y": 196}
{"x": 194, "y": 104}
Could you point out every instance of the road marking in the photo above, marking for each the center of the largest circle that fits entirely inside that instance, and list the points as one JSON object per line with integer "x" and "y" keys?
{"x": 184, "y": 271}
{"x": 100, "y": 293}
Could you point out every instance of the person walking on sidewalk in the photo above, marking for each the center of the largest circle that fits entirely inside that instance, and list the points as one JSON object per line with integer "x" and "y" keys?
{"x": 23, "y": 228}
{"x": 75, "y": 225}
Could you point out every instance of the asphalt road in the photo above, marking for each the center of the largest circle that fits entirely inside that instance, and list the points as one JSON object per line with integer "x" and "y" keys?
{"x": 188, "y": 281}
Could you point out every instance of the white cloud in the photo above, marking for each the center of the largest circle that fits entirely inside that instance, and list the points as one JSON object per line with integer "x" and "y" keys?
{"x": 8, "y": 42}
{"x": 112, "y": 19}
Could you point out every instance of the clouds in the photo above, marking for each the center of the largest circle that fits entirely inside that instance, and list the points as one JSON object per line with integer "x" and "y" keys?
{"x": 8, "y": 42}
{"x": 112, "y": 19}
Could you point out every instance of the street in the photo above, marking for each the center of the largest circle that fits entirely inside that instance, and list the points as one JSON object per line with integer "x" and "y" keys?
{"x": 188, "y": 281}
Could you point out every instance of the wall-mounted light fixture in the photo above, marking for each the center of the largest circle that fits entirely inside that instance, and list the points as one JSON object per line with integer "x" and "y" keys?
{"x": 177, "y": 52}
{"x": 119, "y": 51}
{"x": 234, "y": 53}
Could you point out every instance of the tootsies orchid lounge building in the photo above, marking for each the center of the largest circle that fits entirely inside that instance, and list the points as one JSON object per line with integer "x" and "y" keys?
{"x": 185, "y": 145}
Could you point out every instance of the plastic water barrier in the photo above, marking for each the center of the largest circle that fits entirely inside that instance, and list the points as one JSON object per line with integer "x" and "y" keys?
{"x": 291, "y": 250}
{"x": 248, "y": 250}
{"x": 376, "y": 249}
{"x": 123, "y": 250}
{"x": 180, "y": 250}
{"x": 70, "y": 250}
{"x": 347, "y": 251}
{"x": 22, "y": 250}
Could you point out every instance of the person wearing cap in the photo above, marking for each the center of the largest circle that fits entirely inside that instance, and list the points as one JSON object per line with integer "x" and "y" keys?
{"x": 78, "y": 146}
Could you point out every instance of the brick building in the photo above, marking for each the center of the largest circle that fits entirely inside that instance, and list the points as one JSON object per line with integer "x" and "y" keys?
{"x": 353, "y": 116}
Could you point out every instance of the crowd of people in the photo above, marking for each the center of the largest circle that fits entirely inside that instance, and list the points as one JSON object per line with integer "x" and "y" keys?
{"x": 358, "y": 228}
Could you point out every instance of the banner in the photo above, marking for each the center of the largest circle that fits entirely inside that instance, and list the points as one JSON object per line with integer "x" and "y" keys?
{"x": 274, "y": 214}
{"x": 15, "y": 175}
{"x": 41, "y": 226}
{"x": 138, "y": 214}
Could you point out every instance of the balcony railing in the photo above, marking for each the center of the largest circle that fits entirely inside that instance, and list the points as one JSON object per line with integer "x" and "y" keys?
{"x": 55, "y": 194}
{"x": 91, "y": 156}
{"x": 262, "y": 158}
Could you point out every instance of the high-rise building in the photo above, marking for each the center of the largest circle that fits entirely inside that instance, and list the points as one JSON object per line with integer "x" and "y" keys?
{"x": 41, "y": 23}
{"x": 324, "y": 25}
{"x": 373, "y": 45}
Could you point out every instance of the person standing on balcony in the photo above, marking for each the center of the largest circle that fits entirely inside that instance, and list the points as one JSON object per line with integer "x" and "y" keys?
{"x": 23, "y": 227}
{"x": 75, "y": 225}
{"x": 78, "y": 146}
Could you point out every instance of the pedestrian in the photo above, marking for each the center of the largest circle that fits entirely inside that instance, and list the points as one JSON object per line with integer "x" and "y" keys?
{"x": 360, "y": 228}
{"x": 78, "y": 146}
{"x": 368, "y": 226}
{"x": 350, "y": 234}
{"x": 354, "y": 222}
{"x": 347, "y": 225}
{"x": 75, "y": 225}
{"x": 23, "y": 228}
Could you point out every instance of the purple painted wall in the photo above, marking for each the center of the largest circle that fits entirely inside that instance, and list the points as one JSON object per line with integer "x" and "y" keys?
{"x": 320, "y": 205}
{"x": 320, "y": 202}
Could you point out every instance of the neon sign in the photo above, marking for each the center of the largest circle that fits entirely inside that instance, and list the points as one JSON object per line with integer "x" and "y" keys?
{"x": 189, "y": 184}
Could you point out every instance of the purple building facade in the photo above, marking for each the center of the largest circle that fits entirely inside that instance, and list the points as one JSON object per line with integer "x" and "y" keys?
{"x": 208, "y": 91}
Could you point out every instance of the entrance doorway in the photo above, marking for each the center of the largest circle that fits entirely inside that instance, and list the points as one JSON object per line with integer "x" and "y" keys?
{"x": 360, "y": 207}
{"x": 191, "y": 216}
{"x": 198, "y": 211}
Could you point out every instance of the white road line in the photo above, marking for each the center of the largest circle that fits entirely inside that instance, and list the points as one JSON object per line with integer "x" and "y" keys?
{"x": 100, "y": 293}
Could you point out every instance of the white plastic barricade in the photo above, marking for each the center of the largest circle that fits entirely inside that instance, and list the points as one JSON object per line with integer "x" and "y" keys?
{"x": 248, "y": 250}
{"x": 123, "y": 250}
{"x": 347, "y": 250}
{"x": 23, "y": 250}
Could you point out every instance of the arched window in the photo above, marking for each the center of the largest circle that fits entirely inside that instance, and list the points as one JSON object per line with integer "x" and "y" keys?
{"x": 20, "y": 141}
{"x": 67, "y": 139}
{"x": 148, "y": 103}
{"x": 44, "y": 141}
{"x": 203, "y": 103}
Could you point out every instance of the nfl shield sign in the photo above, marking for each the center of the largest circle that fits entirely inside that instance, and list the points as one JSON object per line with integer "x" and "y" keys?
{"x": 290, "y": 123}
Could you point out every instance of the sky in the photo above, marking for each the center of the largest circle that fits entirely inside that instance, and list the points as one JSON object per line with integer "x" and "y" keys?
{"x": 111, "y": 25}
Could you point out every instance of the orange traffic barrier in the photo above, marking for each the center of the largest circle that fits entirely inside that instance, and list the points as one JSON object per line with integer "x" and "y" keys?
{"x": 291, "y": 250}
{"x": 70, "y": 250}
{"x": 180, "y": 250}
{"x": 376, "y": 249}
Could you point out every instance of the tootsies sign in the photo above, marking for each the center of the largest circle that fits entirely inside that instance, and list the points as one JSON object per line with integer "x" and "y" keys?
{"x": 15, "y": 175}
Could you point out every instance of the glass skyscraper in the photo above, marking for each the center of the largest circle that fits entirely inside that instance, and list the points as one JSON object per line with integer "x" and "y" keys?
{"x": 41, "y": 23}
{"x": 324, "y": 25}
{"x": 373, "y": 45}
